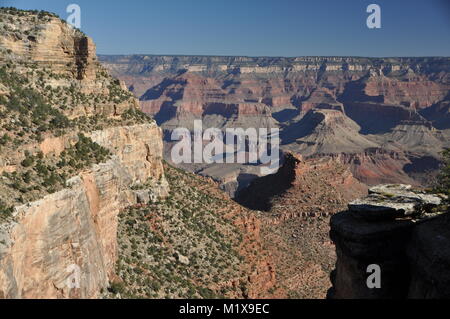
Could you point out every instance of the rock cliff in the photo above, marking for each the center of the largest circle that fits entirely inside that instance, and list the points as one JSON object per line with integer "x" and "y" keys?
{"x": 82, "y": 177}
{"x": 303, "y": 187}
{"x": 402, "y": 231}
{"x": 74, "y": 148}
{"x": 78, "y": 225}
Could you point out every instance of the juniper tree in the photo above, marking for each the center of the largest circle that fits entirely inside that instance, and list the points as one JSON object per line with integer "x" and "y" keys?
{"x": 443, "y": 184}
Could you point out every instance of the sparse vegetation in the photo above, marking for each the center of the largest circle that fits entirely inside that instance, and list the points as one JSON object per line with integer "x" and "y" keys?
{"x": 183, "y": 246}
{"x": 40, "y": 101}
{"x": 443, "y": 182}
{"x": 39, "y": 175}
{"x": 5, "y": 210}
{"x": 83, "y": 154}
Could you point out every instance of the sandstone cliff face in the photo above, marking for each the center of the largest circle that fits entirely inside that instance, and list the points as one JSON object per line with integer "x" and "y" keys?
{"x": 57, "y": 99}
{"x": 56, "y": 58}
{"x": 398, "y": 230}
{"x": 78, "y": 225}
{"x": 138, "y": 147}
{"x": 48, "y": 41}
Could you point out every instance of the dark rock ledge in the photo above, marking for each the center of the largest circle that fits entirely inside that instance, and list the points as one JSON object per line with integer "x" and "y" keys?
{"x": 403, "y": 231}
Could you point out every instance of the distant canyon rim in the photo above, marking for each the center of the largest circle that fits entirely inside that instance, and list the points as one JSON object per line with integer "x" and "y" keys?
{"x": 385, "y": 118}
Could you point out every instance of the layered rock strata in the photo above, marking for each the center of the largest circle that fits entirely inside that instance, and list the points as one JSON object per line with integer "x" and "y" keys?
{"x": 56, "y": 99}
{"x": 368, "y": 111}
{"x": 75, "y": 230}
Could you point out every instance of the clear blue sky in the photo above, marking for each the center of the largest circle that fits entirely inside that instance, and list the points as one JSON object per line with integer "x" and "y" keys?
{"x": 260, "y": 27}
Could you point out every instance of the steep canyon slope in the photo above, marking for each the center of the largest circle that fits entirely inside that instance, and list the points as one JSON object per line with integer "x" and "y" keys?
{"x": 297, "y": 203}
{"x": 81, "y": 169}
{"x": 73, "y": 142}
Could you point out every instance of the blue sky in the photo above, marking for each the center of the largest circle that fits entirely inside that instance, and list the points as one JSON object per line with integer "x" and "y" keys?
{"x": 260, "y": 27}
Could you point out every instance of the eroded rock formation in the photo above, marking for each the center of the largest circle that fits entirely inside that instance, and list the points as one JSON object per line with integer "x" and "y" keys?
{"x": 402, "y": 231}
{"x": 75, "y": 153}
{"x": 67, "y": 232}
{"x": 78, "y": 225}
{"x": 365, "y": 110}
{"x": 302, "y": 188}
{"x": 297, "y": 203}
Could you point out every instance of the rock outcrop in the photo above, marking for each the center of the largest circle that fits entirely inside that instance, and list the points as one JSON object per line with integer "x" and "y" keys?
{"x": 404, "y": 233}
{"x": 77, "y": 227}
{"x": 303, "y": 187}
{"x": 297, "y": 203}
{"x": 50, "y": 42}
{"x": 82, "y": 170}
{"x": 58, "y": 220}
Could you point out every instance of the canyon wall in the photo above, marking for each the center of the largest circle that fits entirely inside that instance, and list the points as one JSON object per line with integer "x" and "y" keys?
{"x": 81, "y": 166}
{"x": 58, "y": 221}
{"x": 385, "y": 117}
{"x": 404, "y": 233}
{"x": 78, "y": 225}
{"x": 50, "y": 42}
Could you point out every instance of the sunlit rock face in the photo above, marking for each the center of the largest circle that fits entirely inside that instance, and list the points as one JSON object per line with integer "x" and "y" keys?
{"x": 78, "y": 225}
{"x": 385, "y": 118}
{"x": 71, "y": 230}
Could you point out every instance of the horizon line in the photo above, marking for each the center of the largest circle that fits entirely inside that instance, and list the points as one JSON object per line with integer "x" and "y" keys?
{"x": 275, "y": 56}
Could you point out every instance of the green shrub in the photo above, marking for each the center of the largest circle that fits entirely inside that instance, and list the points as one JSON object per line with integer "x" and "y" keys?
{"x": 5, "y": 139}
{"x": 443, "y": 183}
{"x": 28, "y": 161}
{"x": 117, "y": 287}
{"x": 5, "y": 210}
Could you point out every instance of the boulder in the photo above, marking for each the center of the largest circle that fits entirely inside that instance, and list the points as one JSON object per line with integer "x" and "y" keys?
{"x": 142, "y": 196}
{"x": 182, "y": 259}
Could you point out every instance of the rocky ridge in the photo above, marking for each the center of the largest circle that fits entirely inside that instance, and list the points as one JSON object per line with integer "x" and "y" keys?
{"x": 296, "y": 205}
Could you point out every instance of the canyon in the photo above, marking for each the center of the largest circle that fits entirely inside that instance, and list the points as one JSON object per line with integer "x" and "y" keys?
{"x": 88, "y": 185}
{"x": 297, "y": 203}
{"x": 80, "y": 163}
{"x": 346, "y": 124}
{"x": 387, "y": 118}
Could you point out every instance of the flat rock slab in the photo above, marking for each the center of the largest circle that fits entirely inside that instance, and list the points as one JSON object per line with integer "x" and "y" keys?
{"x": 387, "y": 202}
